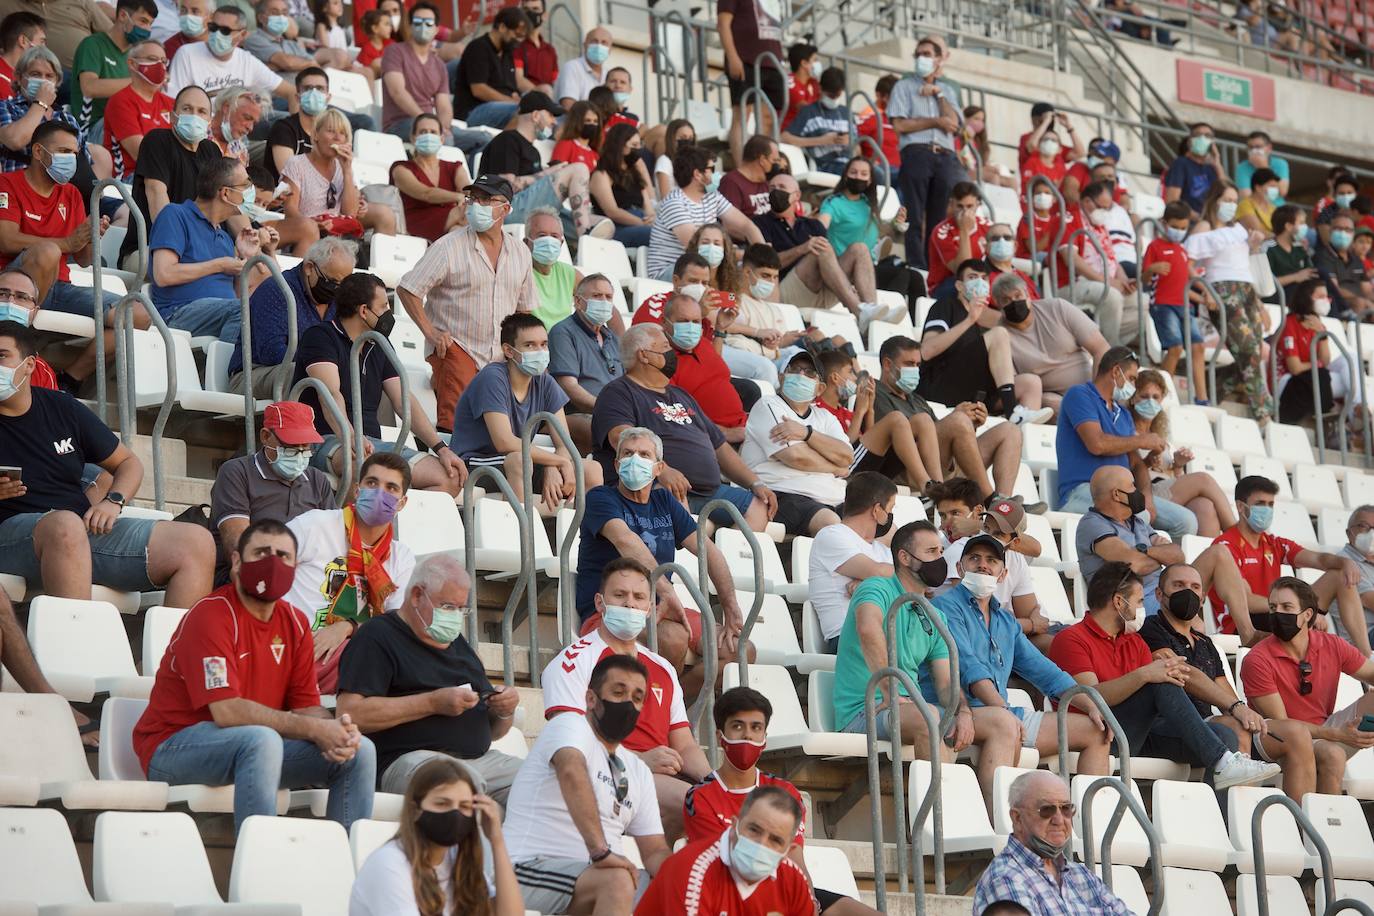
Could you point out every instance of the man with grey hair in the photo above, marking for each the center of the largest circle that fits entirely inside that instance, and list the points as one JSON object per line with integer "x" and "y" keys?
{"x": 219, "y": 63}
{"x": 1036, "y": 869}
{"x": 554, "y": 280}
{"x": 411, "y": 682}
{"x": 634, "y": 518}
{"x": 313, "y": 283}
{"x": 271, "y": 44}
{"x": 1359, "y": 533}
{"x": 584, "y": 353}
{"x": 17, "y": 123}
{"x": 1054, "y": 344}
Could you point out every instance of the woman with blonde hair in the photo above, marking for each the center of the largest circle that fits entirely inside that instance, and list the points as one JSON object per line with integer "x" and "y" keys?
{"x": 434, "y": 864}
{"x": 322, "y": 185}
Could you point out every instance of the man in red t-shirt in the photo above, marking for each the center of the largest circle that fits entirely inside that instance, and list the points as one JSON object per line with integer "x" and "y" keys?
{"x": 1260, "y": 555}
{"x": 1146, "y": 694}
{"x": 1045, "y": 122}
{"x": 235, "y": 702}
{"x": 1295, "y": 674}
{"x": 19, "y": 31}
{"x": 742, "y": 871}
{"x": 536, "y": 59}
{"x": 138, "y": 108}
{"x": 712, "y": 805}
{"x": 1114, "y": 305}
{"x": 959, "y": 236}
{"x": 663, "y": 735}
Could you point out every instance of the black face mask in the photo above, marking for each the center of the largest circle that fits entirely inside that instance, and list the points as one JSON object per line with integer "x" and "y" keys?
{"x": 590, "y": 132}
{"x": 779, "y": 200}
{"x": 933, "y": 572}
{"x": 1184, "y": 604}
{"x": 445, "y": 828}
{"x": 1135, "y": 501}
{"x": 534, "y": 18}
{"x": 669, "y": 363}
{"x": 772, "y": 173}
{"x": 615, "y": 721}
{"x": 855, "y": 185}
{"x": 385, "y": 322}
{"x": 884, "y": 528}
{"x": 1284, "y": 626}
{"x": 1016, "y": 311}
{"x": 324, "y": 289}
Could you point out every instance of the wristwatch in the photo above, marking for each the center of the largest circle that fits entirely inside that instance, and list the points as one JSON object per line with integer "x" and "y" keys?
{"x": 598, "y": 856}
{"x": 115, "y": 497}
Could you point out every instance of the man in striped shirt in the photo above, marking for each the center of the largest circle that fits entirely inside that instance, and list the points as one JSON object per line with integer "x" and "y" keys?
{"x": 695, "y": 203}
{"x": 461, "y": 289}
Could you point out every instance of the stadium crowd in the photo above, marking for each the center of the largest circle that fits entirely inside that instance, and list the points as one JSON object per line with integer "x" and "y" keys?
{"x": 225, "y": 134}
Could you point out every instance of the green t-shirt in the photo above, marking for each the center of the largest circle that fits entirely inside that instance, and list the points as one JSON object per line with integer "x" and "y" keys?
{"x": 555, "y": 290}
{"x": 885, "y": 401}
{"x": 1283, "y": 263}
{"x": 916, "y": 645}
{"x": 96, "y": 54}
{"x": 850, "y": 222}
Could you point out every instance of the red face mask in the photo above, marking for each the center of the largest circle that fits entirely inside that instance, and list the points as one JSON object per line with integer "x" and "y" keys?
{"x": 266, "y": 578}
{"x": 742, "y": 754}
{"x": 155, "y": 73}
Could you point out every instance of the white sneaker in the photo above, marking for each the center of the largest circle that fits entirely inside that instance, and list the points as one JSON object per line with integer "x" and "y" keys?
{"x": 1023, "y": 415}
{"x": 1238, "y": 769}
{"x": 870, "y": 312}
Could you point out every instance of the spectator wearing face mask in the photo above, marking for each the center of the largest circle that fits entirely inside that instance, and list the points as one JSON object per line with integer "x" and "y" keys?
{"x": 1359, "y": 532}
{"x": 580, "y": 75}
{"x": 1169, "y": 273}
{"x": 101, "y": 62}
{"x": 554, "y": 278}
{"x": 823, "y": 126}
{"x": 961, "y": 235}
{"x": 1352, "y": 292}
{"x": 1041, "y": 151}
{"x": 1259, "y": 154}
{"x": 1190, "y": 176}
{"x": 851, "y": 551}
{"x": 1289, "y": 258}
{"x": 138, "y": 108}
{"x": 584, "y": 353}
{"x": 1001, "y": 250}
{"x": 804, "y": 80}
{"x": 1344, "y": 189}
{"x": 1054, "y": 346}
{"x": 1299, "y": 372}
{"x": 1098, "y": 281}
{"x": 746, "y": 185}
{"x": 1100, "y": 152}
{"x": 1120, "y": 224}
{"x": 1256, "y": 211}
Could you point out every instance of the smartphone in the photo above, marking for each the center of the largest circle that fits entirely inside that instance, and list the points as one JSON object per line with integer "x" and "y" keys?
{"x": 980, "y": 398}
{"x": 12, "y": 473}
{"x": 1367, "y": 723}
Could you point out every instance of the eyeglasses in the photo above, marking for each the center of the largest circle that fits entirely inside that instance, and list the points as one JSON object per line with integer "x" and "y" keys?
{"x": 15, "y": 295}
{"x": 1304, "y": 678}
{"x": 286, "y": 451}
{"x": 222, "y": 29}
{"x": 622, "y": 782}
{"x": 1067, "y": 809}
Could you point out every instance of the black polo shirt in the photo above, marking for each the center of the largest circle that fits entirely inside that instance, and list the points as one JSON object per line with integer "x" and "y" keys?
{"x": 328, "y": 343}
{"x": 1200, "y": 652}
{"x": 482, "y": 63}
{"x": 784, "y": 237}
{"x": 509, "y": 153}
{"x": 164, "y": 158}
{"x": 959, "y": 373}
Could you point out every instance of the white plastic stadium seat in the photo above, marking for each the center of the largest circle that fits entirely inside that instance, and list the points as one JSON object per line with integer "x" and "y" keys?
{"x": 292, "y": 860}
{"x": 1292, "y": 521}
{"x": 1192, "y": 833}
{"x": 351, "y": 92}
{"x": 1340, "y": 821}
{"x": 604, "y": 256}
{"x": 1284, "y": 853}
{"x": 1285, "y": 896}
{"x": 1272, "y": 468}
{"x": 1345, "y": 890}
{"x": 814, "y": 656}
{"x": 1239, "y": 436}
{"x": 774, "y": 637}
{"x": 1218, "y": 464}
{"x": 1049, "y": 591}
{"x": 966, "y": 826}
{"x": 788, "y": 729}
{"x": 830, "y": 869}
{"x": 1126, "y": 885}
{"x": 83, "y": 649}
{"x": 1002, "y": 778}
{"x": 191, "y": 395}
{"x": 1317, "y": 488}
{"x": 372, "y": 146}
{"x": 367, "y": 836}
{"x": 1130, "y": 846}
{"x": 159, "y": 623}
{"x": 431, "y": 524}
{"x": 1288, "y": 444}
{"x": 1193, "y": 893}
{"x": 1188, "y": 426}
{"x": 740, "y": 558}
{"x": 393, "y": 255}
{"x": 838, "y": 322}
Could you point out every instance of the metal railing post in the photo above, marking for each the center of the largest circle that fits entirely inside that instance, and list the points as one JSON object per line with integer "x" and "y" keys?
{"x": 758, "y": 88}
{"x": 470, "y": 561}
{"x": 747, "y": 99}
{"x": 565, "y": 581}
{"x": 1278, "y": 329}
{"x": 1304, "y": 824}
{"x": 1347, "y": 409}
{"x": 1211, "y": 294}
{"x": 704, "y": 514}
{"x": 97, "y": 266}
{"x": 331, "y": 407}
{"x": 706, "y": 723}
{"x": 125, "y": 369}
{"x": 356, "y": 388}
{"x": 287, "y": 366}
{"x": 1069, "y": 262}
{"x": 1029, "y": 214}
{"x": 1123, "y": 747}
{"x": 1365, "y": 415}
{"x": 1127, "y": 802}
{"x": 1142, "y": 310}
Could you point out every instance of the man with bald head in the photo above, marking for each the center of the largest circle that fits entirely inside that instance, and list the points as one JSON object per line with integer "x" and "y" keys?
{"x": 581, "y": 75}
{"x": 414, "y": 686}
{"x": 1035, "y": 870}
{"x": 813, "y": 276}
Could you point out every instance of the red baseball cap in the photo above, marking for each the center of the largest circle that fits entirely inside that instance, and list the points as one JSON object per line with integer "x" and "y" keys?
{"x": 292, "y": 422}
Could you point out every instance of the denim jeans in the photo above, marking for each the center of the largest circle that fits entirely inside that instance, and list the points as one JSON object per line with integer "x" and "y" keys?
{"x": 633, "y": 236}
{"x": 257, "y": 762}
{"x": 1174, "y": 519}
{"x": 71, "y": 299}
{"x": 220, "y": 318}
{"x": 491, "y": 114}
{"x": 1160, "y": 721}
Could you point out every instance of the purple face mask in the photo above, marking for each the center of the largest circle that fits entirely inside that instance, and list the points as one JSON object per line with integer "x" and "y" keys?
{"x": 375, "y": 506}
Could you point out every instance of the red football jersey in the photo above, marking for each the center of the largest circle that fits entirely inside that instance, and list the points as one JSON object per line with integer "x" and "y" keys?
{"x": 53, "y": 217}
{"x": 944, "y": 245}
{"x": 1170, "y": 288}
{"x": 1259, "y": 566}
{"x": 128, "y": 114}
{"x": 696, "y": 881}
{"x": 711, "y": 806}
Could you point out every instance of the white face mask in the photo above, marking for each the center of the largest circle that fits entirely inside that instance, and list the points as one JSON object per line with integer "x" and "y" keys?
{"x": 694, "y": 290}
{"x": 1321, "y": 307}
{"x": 1134, "y": 624}
{"x": 1043, "y": 201}
{"x": 1099, "y": 217}
{"x": 1364, "y": 542}
{"x": 980, "y": 585}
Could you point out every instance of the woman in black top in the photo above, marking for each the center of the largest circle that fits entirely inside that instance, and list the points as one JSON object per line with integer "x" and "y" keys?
{"x": 620, "y": 186}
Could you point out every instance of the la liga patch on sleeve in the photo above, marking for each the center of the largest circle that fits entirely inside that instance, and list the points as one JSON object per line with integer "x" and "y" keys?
{"x": 216, "y": 672}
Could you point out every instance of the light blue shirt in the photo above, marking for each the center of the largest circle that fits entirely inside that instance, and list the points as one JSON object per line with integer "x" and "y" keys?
{"x": 907, "y": 102}
{"x": 1245, "y": 170}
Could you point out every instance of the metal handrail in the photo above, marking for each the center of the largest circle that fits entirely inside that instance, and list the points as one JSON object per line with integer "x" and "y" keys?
{"x": 746, "y": 99}
{"x": 1127, "y": 802}
{"x": 566, "y": 612}
{"x": 550, "y": 32}
{"x": 1363, "y": 406}
{"x": 1096, "y": 244}
{"x": 706, "y": 721}
{"x": 287, "y": 365}
{"x": 1062, "y": 209}
{"x": 124, "y": 369}
{"x": 1211, "y": 362}
{"x": 1278, "y": 329}
{"x": 930, "y": 801}
{"x": 331, "y": 407}
{"x": 1309, "y": 832}
{"x": 1140, "y": 304}
{"x": 1123, "y": 746}
{"x": 778, "y": 116}
{"x": 468, "y": 510}
{"x": 97, "y": 267}
{"x": 1347, "y": 409}
{"x": 755, "y": 608}
{"x": 356, "y": 388}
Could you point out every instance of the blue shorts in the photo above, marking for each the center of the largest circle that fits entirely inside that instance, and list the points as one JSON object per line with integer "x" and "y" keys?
{"x": 742, "y": 499}
{"x": 119, "y": 560}
{"x": 70, "y": 299}
{"x": 1168, "y": 321}
{"x": 859, "y": 725}
{"x": 326, "y": 449}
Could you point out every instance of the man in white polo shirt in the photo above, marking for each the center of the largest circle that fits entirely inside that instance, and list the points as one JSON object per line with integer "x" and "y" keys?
{"x": 846, "y": 553}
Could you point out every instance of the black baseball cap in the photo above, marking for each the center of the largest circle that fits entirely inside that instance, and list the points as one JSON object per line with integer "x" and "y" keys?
{"x": 988, "y": 541}
{"x": 494, "y": 185}
{"x": 803, "y": 359}
{"x": 534, "y": 100}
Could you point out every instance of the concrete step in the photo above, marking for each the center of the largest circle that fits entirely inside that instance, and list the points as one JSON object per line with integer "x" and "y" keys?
{"x": 936, "y": 904}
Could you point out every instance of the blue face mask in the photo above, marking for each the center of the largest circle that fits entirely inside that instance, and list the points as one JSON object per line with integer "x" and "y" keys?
{"x": 599, "y": 311}
{"x": 11, "y": 312}
{"x": 1148, "y": 408}
{"x": 1341, "y": 239}
{"x": 1272, "y": 192}
{"x": 686, "y": 334}
{"x": 621, "y": 98}
{"x": 291, "y": 464}
{"x": 1345, "y": 200}
{"x": 597, "y": 54}
{"x": 534, "y": 362}
{"x": 714, "y": 183}
{"x": 313, "y": 102}
{"x": 34, "y": 84}
{"x": 423, "y": 30}
{"x": 909, "y": 378}
{"x": 446, "y": 625}
{"x": 975, "y": 288}
{"x": 546, "y": 249}
{"x": 192, "y": 128}
{"x": 191, "y": 25}
{"x": 713, "y": 254}
{"x": 277, "y": 25}
{"x": 636, "y": 472}
{"x": 753, "y": 861}
{"x": 220, "y": 44}
{"x": 847, "y": 391}
{"x": 1001, "y": 249}
{"x": 1260, "y": 517}
{"x": 8, "y": 386}
{"x": 480, "y": 217}
{"x": 428, "y": 144}
{"x": 798, "y": 388}
{"x": 762, "y": 289}
{"x": 62, "y": 167}
{"x": 138, "y": 33}
{"x": 1175, "y": 234}
{"x": 624, "y": 622}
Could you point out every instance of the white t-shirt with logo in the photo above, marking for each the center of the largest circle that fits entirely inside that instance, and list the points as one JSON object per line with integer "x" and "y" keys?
{"x": 194, "y": 65}
{"x": 759, "y": 448}
{"x": 834, "y": 546}
{"x": 322, "y": 562}
{"x": 1016, "y": 583}
{"x": 537, "y": 818}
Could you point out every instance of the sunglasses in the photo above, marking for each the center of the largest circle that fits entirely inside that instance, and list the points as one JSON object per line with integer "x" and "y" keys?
{"x": 222, "y": 29}
{"x": 1067, "y": 809}
{"x": 1304, "y": 678}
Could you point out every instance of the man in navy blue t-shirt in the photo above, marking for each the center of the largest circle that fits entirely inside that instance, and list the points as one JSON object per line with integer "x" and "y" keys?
{"x": 634, "y": 517}
{"x": 1191, "y": 176}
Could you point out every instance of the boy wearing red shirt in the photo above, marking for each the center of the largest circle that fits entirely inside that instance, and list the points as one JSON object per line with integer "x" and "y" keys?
{"x": 959, "y": 236}
{"x": 712, "y": 805}
{"x": 1295, "y": 674}
{"x": 803, "y": 83}
{"x": 235, "y": 702}
{"x": 1168, "y": 271}
{"x": 1259, "y": 556}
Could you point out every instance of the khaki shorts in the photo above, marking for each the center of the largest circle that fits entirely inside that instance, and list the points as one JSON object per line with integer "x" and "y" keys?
{"x": 794, "y": 292}
{"x": 1340, "y": 719}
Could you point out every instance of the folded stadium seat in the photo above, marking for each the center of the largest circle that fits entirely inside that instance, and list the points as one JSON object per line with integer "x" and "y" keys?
{"x": 1284, "y": 852}
{"x": 83, "y": 649}
{"x": 386, "y": 806}
{"x": 813, "y": 657}
{"x": 965, "y": 819}
{"x": 292, "y": 860}
{"x": 1192, "y": 545}
{"x": 1316, "y": 488}
{"x": 1188, "y": 426}
{"x": 498, "y": 540}
{"x": 829, "y": 869}
{"x": 515, "y": 230}
{"x": 1192, "y": 831}
{"x": 897, "y": 302}
{"x": 1037, "y": 446}
{"x": 1049, "y": 591}
{"x": 642, "y": 288}
{"x": 740, "y": 558}
{"x": 879, "y": 331}
{"x": 869, "y": 362}
{"x": 159, "y": 857}
{"x": 1038, "y": 527}
{"x": 429, "y": 524}
{"x": 1025, "y": 486}
{"x": 562, "y": 522}
{"x": 1147, "y": 206}
{"x": 367, "y": 836}
{"x": 923, "y": 306}
{"x": 1005, "y": 203}
{"x": 15, "y": 587}
{"x": 1289, "y": 445}
{"x": 392, "y": 255}
{"x": 604, "y": 256}
{"x": 1268, "y": 467}
{"x": 1049, "y": 492}
{"x": 801, "y": 560}
{"x": 1292, "y": 521}
{"x": 1218, "y": 464}
{"x": 800, "y": 167}
{"x": 1357, "y": 489}
{"x": 788, "y": 729}
{"x": 159, "y": 623}
{"x": 1002, "y": 778}
{"x": 1194, "y": 893}
{"x": 351, "y": 92}
{"x": 1126, "y": 885}
{"x": 409, "y": 343}
{"x": 1130, "y": 846}
{"x": 1285, "y": 896}
{"x": 41, "y": 867}
{"x": 191, "y": 396}
{"x": 1331, "y": 524}
{"x": 1345, "y": 890}
{"x": 1340, "y": 821}
{"x": 375, "y": 147}
{"x": 838, "y": 321}
{"x": 119, "y": 762}
{"x": 1239, "y": 437}
{"x": 774, "y": 636}
{"x": 1068, "y": 549}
